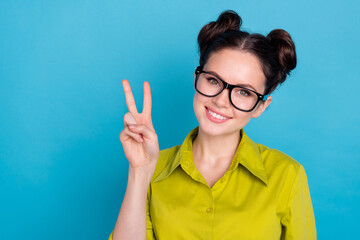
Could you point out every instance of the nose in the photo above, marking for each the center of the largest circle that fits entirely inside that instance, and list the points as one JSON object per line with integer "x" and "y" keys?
{"x": 222, "y": 100}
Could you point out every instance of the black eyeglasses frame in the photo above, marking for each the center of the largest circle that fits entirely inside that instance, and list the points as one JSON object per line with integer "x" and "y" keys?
{"x": 228, "y": 86}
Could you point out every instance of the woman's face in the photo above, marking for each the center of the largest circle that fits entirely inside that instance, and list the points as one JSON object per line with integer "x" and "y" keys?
{"x": 237, "y": 68}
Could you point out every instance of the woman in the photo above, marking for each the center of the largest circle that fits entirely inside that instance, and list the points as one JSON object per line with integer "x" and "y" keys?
{"x": 218, "y": 184}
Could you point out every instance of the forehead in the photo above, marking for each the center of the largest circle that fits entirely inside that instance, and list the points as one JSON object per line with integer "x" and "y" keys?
{"x": 237, "y": 67}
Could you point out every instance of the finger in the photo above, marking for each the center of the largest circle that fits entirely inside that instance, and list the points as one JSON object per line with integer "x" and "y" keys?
{"x": 130, "y": 102}
{"x": 147, "y": 99}
{"x": 126, "y": 134}
{"x": 146, "y": 132}
{"x": 129, "y": 119}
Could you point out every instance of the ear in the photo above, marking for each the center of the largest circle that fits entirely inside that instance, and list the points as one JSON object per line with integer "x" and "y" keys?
{"x": 261, "y": 107}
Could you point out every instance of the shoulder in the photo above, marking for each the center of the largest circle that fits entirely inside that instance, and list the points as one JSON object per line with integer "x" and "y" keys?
{"x": 285, "y": 174}
{"x": 278, "y": 164}
{"x": 166, "y": 156}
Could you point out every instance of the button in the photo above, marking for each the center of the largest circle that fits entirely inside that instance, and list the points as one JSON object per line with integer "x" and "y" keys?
{"x": 222, "y": 180}
{"x": 208, "y": 210}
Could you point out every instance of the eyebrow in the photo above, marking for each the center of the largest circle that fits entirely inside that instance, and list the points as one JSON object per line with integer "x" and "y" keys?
{"x": 240, "y": 85}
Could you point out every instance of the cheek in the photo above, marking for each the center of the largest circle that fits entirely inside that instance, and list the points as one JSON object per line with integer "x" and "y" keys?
{"x": 198, "y": 103}
{"x": 242, "y": 117}
{"x": 199, "y": 100}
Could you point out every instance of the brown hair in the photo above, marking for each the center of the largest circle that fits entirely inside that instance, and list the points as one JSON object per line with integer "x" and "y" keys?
{"x": 276, "y": 51}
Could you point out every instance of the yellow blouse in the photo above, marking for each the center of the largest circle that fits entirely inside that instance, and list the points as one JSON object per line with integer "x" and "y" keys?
{"x": 263, "y": 195}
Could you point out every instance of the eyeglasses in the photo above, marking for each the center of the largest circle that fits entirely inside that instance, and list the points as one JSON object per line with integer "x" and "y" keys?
{"x": 241, "y": 98}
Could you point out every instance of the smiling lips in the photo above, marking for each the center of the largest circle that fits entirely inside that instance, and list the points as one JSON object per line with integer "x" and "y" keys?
{"x": 216, "y": 117}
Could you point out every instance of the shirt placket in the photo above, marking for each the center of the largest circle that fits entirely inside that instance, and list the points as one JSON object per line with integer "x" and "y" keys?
{"x": 208, "y": 210}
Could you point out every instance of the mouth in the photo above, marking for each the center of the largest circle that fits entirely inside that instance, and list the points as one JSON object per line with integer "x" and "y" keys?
{"x": 216, "y": 115}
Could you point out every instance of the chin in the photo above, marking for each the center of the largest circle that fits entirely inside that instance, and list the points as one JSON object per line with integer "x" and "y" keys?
{"x": 213, "y": 131}
{"x": 217, "y": 130}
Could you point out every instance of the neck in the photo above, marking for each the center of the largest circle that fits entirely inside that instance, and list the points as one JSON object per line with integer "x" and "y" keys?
{"x": 213, "y": 150}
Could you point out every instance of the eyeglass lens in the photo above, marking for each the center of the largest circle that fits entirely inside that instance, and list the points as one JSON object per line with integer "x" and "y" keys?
{"x": 242, "y": 98}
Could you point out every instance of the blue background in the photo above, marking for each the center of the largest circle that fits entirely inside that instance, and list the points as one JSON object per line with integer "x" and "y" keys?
{"x": 63, "y": 172}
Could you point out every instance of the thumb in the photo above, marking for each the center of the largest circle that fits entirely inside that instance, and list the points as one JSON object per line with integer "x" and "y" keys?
{"x": 129, "y": 119}
{"x": 145, "y": 131}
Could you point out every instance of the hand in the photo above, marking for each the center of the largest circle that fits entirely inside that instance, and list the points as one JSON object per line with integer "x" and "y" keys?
{"x": 139, "y": 140}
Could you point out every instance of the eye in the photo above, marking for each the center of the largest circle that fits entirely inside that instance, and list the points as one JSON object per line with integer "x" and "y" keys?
{"x": 213, "y": 81}
{"x": 243, "y": 92}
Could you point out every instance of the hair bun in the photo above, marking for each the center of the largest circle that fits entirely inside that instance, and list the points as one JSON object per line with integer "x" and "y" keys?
{"x": 228, "y": 20}
{"x": 285, "y": 48}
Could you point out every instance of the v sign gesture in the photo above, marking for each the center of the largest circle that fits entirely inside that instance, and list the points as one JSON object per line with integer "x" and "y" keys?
{"x": 141, "y": 149}
{"x": 138, "y": 137}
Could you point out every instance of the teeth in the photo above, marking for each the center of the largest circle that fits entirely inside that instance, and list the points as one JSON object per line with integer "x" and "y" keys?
{"x": 217, "y": 115}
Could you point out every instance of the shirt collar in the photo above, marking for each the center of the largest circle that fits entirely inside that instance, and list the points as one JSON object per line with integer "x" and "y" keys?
{"x": 247, "y": 154}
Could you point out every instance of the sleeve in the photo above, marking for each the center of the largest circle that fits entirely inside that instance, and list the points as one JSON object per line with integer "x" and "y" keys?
{"x": 298, "y": 222}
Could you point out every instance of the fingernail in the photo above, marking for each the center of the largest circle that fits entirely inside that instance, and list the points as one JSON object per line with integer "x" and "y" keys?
{"x": 132, "y": 127}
